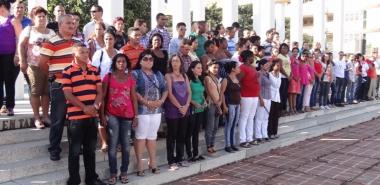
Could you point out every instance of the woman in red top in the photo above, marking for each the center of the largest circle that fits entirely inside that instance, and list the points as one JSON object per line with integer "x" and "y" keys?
{"x": 118, "y": 113}
{"x": 250, "y": 91}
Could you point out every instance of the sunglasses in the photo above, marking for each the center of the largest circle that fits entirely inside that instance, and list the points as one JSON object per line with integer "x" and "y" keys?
{"x": 147, "y": 58}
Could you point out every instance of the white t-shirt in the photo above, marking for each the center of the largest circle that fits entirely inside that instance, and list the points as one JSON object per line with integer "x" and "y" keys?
{"x": 340, "y": 66}
{"x": 105, "y": 64}
{"x": 365, "y": 69}
{"x": 377, "y": 66}
{"x": 89, "y": 29}
{"x": 34, "y": 44}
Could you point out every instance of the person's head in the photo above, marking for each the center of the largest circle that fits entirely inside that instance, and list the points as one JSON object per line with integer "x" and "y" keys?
{"x": 232, "y": 67}
{"x": 375, "y": 53}
{"x": 141, "y": 24}
{"x": 246, "y": 57}
{"x": 287, "y": 41}
{"x": 58, "y": 11}
{"x": 212, "y": 67}
{"x": 242, "y": 44}
{"x": 220, "y": 29}
{"x": 263, "y": 65}
{"x": 194, "y": 42}
{"x": 305, "y": 46}
{"x": 341, "y": 55}
{"x": 118, "y": 23}
{"x": 66, "y": 24}
{"x": 100, "y": 27}
{"x": 246, "y": 33}
{"x": 222, "y": 43}
{"x": 261, "y": 52}
{"x": 155, "y": 41}
{"x": 275, "y": 51}
{"x": 76, "y": 19}
{"x": 276, "y": 36}
{"x": 175, "y": 64}
{"x": 326, "y": 58}
{"x": 5, "y": 7}
{"x": 161, "y": 20}
{"x": 134, "y": 35}
{"x": 209, "y": 46}
{"x": 284, "y": 49}
{"x": 145, "y": 60}
{"x": 255, "y": 49}
{"x": 235, "y": 26}
{"x": 195, "y": 70}
{"x": 255, "y": 40}
{"x": 316, "y": 53}
{"x": 109, "y": 38}
{"x": 120, "y": 62}
{"x": 276, "y": 65}
{"x": 304, "y": 55}
{"x": 359, "y": 57}
{"x": 230, "y": 32}
{"x": 269, "y": 35}
{"x": 295, "y": 44}
{"x": 81, "y": 53}
{"x": 201, "y": 27}
{"x": 253, "y": 33}
{"x": 185, "y": 46}
{"x": 39, "y": 16}
{"x": 19, "y": 8}
{"x": 96, "y": 12}
{"x": 317, "y": 45}
{"x": 181, "y": 29}
{"x": 295, "y": 51}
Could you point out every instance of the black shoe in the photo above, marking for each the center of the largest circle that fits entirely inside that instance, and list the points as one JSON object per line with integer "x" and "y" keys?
{"x": 245, "y": 145}
{"x": 200, "y": 158}
{"x": 229, "y": 150}
{"x": 234, "y": 148}
{"x": 266, "y": 139}
{"x": 99, "y": 182}
{"x": 10, "y": 112}
{"x": 55, "y": 157}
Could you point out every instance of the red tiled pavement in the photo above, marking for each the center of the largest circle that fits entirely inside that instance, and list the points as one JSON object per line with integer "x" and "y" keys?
{"x": 350, "y": 156}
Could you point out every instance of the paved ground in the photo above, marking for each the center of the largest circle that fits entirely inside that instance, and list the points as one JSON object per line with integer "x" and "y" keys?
{"x": 350, "y": 156}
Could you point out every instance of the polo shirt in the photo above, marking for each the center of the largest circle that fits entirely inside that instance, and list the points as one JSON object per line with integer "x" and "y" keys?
{"x": 60, "y": 52}
{"x": 132, "y": 53}
{"x": 83, "y": 85}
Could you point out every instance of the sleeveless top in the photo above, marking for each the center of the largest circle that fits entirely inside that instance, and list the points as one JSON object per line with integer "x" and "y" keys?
{"x": 232, "y": 92}
{"x": 7, "y": 38}
{"x": 197, "y": 94}
{"x": 179, "y": 90}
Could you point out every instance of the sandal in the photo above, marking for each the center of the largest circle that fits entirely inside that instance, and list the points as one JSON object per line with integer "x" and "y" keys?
{"x": 104, "y": 148}
{"x": 210, "y": 150}
{"x": 154, "y": 170}
{"x": 112, "y": 180}
{"x": 123, "y": 179}
{"x": 140, "y": 173}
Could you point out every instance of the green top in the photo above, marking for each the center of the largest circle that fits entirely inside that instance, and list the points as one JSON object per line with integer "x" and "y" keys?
{"x": 201, "y": 42}
{"x": 197, "y": 94}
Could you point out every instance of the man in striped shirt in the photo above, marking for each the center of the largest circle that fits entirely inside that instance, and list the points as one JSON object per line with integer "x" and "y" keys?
{"x": 56, "y": 54}
{"x": 83, "y": 90}
{"x": 161, "y": 29}
{"x": 133, "y": 48}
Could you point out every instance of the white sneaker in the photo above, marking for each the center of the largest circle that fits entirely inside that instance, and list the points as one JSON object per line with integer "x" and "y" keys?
{"x": 39, "y": 124}
{"x": 327, "y": 108}
{"x": 322, "y": 108}
{"x": 173, "y": 167}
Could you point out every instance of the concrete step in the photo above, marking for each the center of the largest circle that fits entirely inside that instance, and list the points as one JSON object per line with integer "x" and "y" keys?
{"x": 221, "y": 158}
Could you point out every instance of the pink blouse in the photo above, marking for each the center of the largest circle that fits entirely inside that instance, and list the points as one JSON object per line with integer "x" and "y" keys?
{"x": 307, "y": 73}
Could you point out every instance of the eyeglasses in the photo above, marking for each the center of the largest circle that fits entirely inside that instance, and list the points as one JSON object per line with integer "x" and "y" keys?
{"x": 147, "y": 59}
{"x": 94, "y": 11}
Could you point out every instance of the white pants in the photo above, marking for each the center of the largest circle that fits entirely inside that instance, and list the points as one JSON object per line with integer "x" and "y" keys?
{"x": 248, "y": 108}
{"x": 148, "y": 125}
{"x": 307, "y": 94}
{"x": 261, "y": 120}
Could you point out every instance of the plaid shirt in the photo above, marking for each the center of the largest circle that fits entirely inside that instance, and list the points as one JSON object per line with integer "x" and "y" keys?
{"x": 164, "y": 33}
{"x": 144, "y": 41}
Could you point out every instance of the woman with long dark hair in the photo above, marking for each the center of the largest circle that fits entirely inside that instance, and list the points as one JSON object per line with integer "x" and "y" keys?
{"x": 160, "y": 57}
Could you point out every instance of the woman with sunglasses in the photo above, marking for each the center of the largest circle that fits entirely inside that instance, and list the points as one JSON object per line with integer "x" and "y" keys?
{"x": 151, "y": 94}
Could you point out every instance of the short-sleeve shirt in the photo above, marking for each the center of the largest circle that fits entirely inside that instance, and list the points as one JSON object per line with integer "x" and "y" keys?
{"x": 285, "y": 64}
{"x": 102, "y": 62}
{"x": 60, "y": 52}
{"x": 201, "y": 42}
{"x": 250, "y": 86}
{"x": 83, "y": 85}
{"x": 119, "y": 101}
{"x": 132, "y": 53}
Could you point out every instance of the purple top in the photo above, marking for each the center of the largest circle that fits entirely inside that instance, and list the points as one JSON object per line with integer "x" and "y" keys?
{"x": 8, "y": 37}
{"x": 179, "y": 90}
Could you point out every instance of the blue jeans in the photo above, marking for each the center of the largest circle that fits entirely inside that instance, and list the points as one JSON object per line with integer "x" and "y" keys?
{"x": 314, "y": 93}
{"x": 340, "y": 88}
{"x": 324, "y": 93}
{"x": 350, "y": 91}
{"x": 211, "y": 125}
{"x": 118, "y": 129}
{"x": 358, "y": 87}
{"x": 332, "y": 99}
{"x": 229, "y": 128}
{"x": 299, "y": 99}
{"x": 82, "y": 133}
{"x": 57, "y": 117}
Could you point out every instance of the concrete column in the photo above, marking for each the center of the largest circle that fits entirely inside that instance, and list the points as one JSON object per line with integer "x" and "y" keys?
{"x": 156, "y": 6}
{"x": 263, "y": 16}
{"x": 34, "y": 3}
{"x": 111, "y": 9}
{"x": 319, "y": 23}
{"x": 296, "y": 21}
{"x": 230, "y": 12}
{"x": 338, "y": 26}
{"x": 181, "y": 13}
{"x": 199, "y": 10}
{"x": 256, "y": 16}
{"x": 280, "y": 19}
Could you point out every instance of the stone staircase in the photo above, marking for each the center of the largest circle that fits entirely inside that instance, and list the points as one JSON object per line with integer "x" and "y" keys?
{"x": 24, "y": 158}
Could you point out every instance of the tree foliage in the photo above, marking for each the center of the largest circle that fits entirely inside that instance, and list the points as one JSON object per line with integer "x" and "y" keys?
{"x": 245, "y": 16}
{"x": 213, "y": 15}
{"x": 136, "y": 9}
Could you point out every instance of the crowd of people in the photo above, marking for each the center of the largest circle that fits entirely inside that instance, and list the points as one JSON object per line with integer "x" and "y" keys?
{"x": 118, "y": 85}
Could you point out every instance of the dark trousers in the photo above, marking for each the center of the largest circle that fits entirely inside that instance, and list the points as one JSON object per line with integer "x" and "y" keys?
{"x": 8, "y": 76}
{"x": 274, "y": 115}
{"x": 358, "y": 87}
{"x": 175, "y": 139}
{"x": 365, "y": 83}
{"x": 324, "y": 93}
{"x": 284, "y": 93}
{"x": 299, "y": 99}
{"x": 82, "y": 133}
{"x": 314, "y": 93}
{"x": 340, "y": 89}
{"x": 192, "y": 134}
{"x": 57, "y": 117}
{"x": 332, "y": 99}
